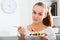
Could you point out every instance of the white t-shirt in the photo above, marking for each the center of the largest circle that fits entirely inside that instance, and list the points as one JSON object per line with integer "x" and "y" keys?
{"x": 49, "y": 31}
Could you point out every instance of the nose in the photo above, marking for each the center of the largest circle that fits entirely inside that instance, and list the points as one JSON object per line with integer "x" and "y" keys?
{"x": 36, "y": 16}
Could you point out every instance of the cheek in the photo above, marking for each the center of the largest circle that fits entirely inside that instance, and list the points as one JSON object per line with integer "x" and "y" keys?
{"x": 40, "y": 18}
{"x": 33, "y": 16}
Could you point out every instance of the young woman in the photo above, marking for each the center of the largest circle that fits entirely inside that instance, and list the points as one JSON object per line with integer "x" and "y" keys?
{"x": 42, "y": 22}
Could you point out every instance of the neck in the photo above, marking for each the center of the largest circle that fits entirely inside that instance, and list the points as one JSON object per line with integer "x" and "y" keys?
{"x": 38, "y": 24}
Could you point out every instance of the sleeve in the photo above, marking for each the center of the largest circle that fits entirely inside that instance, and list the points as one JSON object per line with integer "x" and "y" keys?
{"x": 51, "y": 34}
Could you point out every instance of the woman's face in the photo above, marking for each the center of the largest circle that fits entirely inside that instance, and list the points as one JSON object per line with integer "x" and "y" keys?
{"x": 38, "y": 14}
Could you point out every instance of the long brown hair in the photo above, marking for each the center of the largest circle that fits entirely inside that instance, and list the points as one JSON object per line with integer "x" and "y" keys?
{"x": 48, "y": 21}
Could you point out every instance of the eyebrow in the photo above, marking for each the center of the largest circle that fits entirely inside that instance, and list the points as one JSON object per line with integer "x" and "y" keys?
{"x": 34, "y": 10}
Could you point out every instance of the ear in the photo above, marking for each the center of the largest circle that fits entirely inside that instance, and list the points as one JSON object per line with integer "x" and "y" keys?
{"x": 45, "y": 16}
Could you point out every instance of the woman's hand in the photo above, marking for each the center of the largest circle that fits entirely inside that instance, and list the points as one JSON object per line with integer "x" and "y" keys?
{"x": 21, "y": 31}
{"x": 43, "y": 37}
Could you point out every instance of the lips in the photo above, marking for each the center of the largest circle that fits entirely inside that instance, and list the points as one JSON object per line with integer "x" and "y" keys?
{"x": 35, "y": 19}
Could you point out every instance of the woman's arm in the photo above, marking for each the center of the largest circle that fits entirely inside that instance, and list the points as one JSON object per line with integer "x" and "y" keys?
{"x": 43, "y": 38}
{"x": 50, "y": 34}
{"x": 21, "y": 37}
{"x": 22, "y": 33}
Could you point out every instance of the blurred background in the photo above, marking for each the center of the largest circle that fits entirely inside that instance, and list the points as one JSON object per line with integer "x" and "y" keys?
{"x": 14, "y": 13}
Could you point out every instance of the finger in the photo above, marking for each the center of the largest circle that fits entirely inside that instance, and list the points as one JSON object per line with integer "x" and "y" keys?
{"x": 45, "y": 34}
{"x": 19, "y": 27}
{"x": 21, "y": 30}
{"x": 43, "y": 38}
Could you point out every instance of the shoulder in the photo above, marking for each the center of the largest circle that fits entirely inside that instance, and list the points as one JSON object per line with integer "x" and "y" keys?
{"x": 49, "y": 30}
{"x": 29, "y": 27}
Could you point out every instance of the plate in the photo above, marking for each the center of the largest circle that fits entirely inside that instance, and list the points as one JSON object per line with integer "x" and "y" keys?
{"x": 36, "y": 34}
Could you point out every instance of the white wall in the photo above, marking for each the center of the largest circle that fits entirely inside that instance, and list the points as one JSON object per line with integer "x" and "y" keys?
{"x": 47, "y": 2}
{"x": 56, "y": 19}
{"x": 22, "y": 16}
{"x": 27, "y": 10}
{"x": 8, "y": 22}
{"x": 58, "y": 7}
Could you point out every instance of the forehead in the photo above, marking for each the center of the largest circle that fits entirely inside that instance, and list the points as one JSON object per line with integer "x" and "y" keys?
{"x": 38, "y": 8}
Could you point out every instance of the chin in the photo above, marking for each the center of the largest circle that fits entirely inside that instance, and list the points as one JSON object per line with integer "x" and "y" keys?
{"x": 35, "y": 22}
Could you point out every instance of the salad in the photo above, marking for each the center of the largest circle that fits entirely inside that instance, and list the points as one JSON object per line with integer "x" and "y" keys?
{"x": 37, "y": 34}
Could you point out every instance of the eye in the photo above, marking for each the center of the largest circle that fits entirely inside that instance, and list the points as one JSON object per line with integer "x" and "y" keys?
{"x": 40, "y": 14}
{"x": 34, "y": 12}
